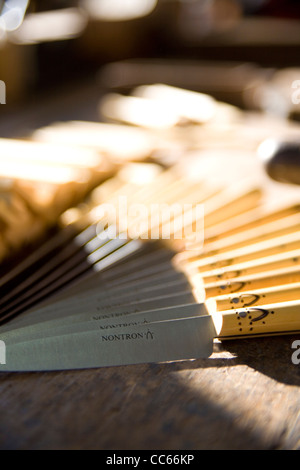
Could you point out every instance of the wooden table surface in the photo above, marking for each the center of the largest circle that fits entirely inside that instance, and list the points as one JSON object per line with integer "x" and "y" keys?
{"x": 246, "y": 396}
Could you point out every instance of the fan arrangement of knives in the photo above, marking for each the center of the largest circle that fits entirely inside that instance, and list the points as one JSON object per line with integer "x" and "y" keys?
{"x": 82, "y": 298}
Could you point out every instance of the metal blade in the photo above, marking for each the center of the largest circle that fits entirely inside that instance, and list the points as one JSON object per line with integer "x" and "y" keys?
{"x": 165, "y": 341}
{"x": 105, "y": 322}
{"x": 101, "y": 301}
{"x": 65, "y": 315}
{"x": 71, "y": 277}
{"x": 49, "y": 273}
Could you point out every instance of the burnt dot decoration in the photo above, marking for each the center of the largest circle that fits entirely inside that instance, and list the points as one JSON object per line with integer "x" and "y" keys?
{"x": 243, "y": 314}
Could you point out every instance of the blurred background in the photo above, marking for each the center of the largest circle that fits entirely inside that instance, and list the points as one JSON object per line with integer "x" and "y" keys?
{"x": 58, "y": 57}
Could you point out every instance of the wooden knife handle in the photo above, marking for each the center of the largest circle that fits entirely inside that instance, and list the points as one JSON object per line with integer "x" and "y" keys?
{"x": 276, "y": 319}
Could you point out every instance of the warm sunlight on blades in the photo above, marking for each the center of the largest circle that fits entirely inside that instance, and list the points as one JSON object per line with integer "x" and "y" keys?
{"x": 120, "y": 142}
{"x": 41, "y": 173}
{"x": 190, "y": 105}
{"x": 25, "y": 151}
{"x": 138, "y": 111}
{"x": 140, "y": 174}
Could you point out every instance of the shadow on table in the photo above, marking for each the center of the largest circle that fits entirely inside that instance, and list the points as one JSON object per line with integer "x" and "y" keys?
{"x": 270, "y": 356}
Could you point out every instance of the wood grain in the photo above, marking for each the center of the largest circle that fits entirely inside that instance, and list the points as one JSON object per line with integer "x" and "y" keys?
{"x": 246, "y": 396}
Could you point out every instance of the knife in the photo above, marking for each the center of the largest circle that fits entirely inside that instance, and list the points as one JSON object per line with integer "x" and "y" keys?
{"x": 151, "y": 287}
{"x": 110, "y": 320}
{"x": 65, "y": 315}
{"x": 161, "y": 341}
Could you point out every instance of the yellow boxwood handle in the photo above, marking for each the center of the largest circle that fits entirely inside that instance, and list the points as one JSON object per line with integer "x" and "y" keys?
{"x": 276, "y": 319}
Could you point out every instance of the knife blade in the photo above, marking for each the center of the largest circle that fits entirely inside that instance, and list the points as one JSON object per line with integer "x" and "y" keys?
{"x": 108, "y": 321}
{"x": 100, "y": 299}
{"x": 162, "y": 341}
{"x": 158, "y": 341}
{"x": 65, "y": 315}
